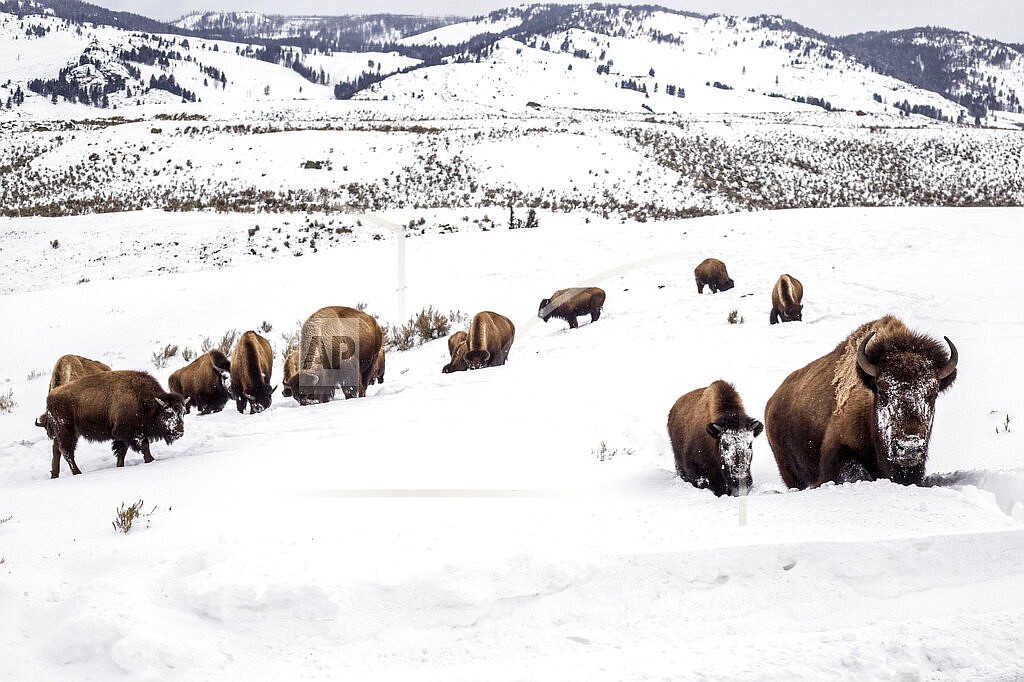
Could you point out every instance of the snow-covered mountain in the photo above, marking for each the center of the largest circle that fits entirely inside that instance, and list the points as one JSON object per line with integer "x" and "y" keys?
{"x": 583, "y": 56}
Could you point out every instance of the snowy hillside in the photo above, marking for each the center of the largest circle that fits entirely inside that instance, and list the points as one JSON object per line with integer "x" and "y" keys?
{"x": 469, "y": 526}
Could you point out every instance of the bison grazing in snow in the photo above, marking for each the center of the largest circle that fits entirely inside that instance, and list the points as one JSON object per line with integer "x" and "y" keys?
{"x": 252, "y": 361}
{"x": 291, "y": 368}
{"x": 205, "y": 382}
{"x": 126, "y": 407}
{"x": 340, "y": 348}
{"x": 786, "y": 297}
{"x": 863, "y": 411}
{"x": 458, "y": 344}
{"x": 568, "y": 304}
{"x": 712, "y": 272}
{"x": 713, "y": 438}
{"x": 489, "y": 340}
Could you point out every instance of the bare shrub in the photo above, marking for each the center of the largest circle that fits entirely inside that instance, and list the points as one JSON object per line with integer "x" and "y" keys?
{"x": 603, "y": 453}
{"x": 187, "y": 354}
{"x": 426, "y": 325}
{"x": 265, "y": 327}
{"x": 35, "y": 374}
{"x": 7, "y": 402}
{"x": 125, "y": 516}
{"x": 226, "y": 343}
{"x": 735, "y": 317}
{"x": 161, "y": 357}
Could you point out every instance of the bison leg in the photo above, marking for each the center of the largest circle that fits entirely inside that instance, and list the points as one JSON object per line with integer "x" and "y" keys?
{"x": 713, "y": 287}
{"x": 144, "y": 448}
{"x": 64, "y": 447}
{"x": 774, "y": 317}
{"x": 120, "y": 449}
{"x": 853, "y": 471}
{"x": 700, "y": 287}
{"x": 595, "y": 314}
{"x": 571, "y": 319}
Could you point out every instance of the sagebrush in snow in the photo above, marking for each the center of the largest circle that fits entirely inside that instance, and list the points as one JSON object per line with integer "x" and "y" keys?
{"x": 7, "y": 402}
{"x": 126, "y": 516}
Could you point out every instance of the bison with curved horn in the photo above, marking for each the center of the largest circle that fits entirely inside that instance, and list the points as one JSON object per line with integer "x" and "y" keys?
{"x": 127, "y": 407}
{"x": 568, "y": 304}
{"x": 863, "y": 411}
{"x": 489, "y": 339}
{"x": 339, "y": 348}
{"x": 458, "y": 344}
{"x": 712, "y": 272}
{"x": 252, "y": 362}
{"x": 713, "y": 438}
{"x": 206, "y": 381}
{"x": 786, "y": 300}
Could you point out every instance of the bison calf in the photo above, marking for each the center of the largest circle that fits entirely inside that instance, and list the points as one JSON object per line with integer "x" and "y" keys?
{"x": 127, "y": 407}
{"x": 568, "y": 304}
{"x": 489, "y": 340}
{"x": 863, "y": 411}
{"x": 712, "y": 272}
{"x": 205, "y": 382}
{"x": 786, "y": 297}
{"x": 713, "y": 438}
{"x": 458, "y": 344}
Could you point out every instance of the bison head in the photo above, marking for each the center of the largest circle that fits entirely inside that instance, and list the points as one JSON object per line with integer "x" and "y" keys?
{"x": 309, "y": 387}
{"x": 476, "y": 359}
{"x": 170, "y": 421}
{"x": 726, "y": 285}
{"x": 544, "y": 310}
{"x": 735, "y": 439}
{"x": 258, "y": 400}
{"x": 905, "y": 374}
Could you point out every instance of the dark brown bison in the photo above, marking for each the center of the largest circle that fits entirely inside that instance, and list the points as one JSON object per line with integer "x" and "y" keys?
{"x": 458, "y": 344}
{"x": 206, "y": 382}
{"x": 862, "y": 412}
{"x": 252, "y": 362}
{"x": 713, "y": 439}
{"x": 712, "y": 272}
{"x": 71, "y": 367}
{"x": 489, "y": 340}
{"x": 339, "y": 348}
{"x": 568, "y": 304}
{"x": 291, "y": 368}
{"x": 786, "y": 297}
{"x": 127, "y": 407}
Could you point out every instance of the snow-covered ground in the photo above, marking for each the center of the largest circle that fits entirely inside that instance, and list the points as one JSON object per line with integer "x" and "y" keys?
{"x": 463, "y": 526}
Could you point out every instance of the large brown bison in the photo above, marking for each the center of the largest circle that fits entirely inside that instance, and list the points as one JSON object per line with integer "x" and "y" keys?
{"x": 713, "y": 438}
{"x": 127, "y": 407}
{"x": 458, "y": 344}
{"x": 206, "y": 382}
{"x": 862, "y": 412}
{"x": 786, "y": 298}
{"x": 489, "y": 340}
{"x": 252, "y": 362}
{"x": 712, "y": 272}
{"x": 71, "y": 367}
{"x": 568, "y": 304}
{"x": 339, "y": 348}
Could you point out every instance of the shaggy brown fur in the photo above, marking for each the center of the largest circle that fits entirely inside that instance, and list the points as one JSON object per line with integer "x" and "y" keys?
{"x": 204, "y": 381}
{"x": 291, "y": 368}
{"x": 340, "y": 349}
{"x": 712, "y": 272}
{"x": 568, "y": 304}
{"x": 712, "y": 437}
{"x": 71, "y": 367}
{"x": 126, "y": 407}
{"x": 844, "y": 417}
{"x": 490, "y": 338}
{"x": 786, "y": 298}
{"x": 458, "y": 344}
{"x": 251, "y": 365}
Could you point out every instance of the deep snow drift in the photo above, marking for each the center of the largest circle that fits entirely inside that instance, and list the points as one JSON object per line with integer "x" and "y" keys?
{"x": 464, "y": 526}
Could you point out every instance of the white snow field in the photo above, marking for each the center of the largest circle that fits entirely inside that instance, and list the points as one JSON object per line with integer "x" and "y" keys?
{"x": 464, "y": 526}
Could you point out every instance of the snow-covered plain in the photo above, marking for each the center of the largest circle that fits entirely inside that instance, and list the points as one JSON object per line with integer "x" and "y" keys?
{"x": 463, "y": 526}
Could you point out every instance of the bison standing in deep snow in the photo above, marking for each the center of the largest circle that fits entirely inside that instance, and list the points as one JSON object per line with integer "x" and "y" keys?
{"x": 127, "y": 407}
{"x": 568, "y": 304}
{"x": 713, "y": 438}
{"x": 205, "y": 382}
{"x": 712, "y": 272}
{"x": 863, "y": 411}
{"x": 339, "y": 348}
{"x": 252, "y": 362}
{"x": 786, "y": 300}
{"x": 489, "y": 339}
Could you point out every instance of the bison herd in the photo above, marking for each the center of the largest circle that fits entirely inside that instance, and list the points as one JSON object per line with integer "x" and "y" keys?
{"x": 863, "y": 411}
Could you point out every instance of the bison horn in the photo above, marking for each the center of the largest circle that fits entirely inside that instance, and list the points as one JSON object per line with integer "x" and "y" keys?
{"x": 187, "y": 398}
{"x": 273, "y": 389}
{"x": 862, "y": 358}
{"x": 159, "y": 402}
{"x": 950, "y": 366}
